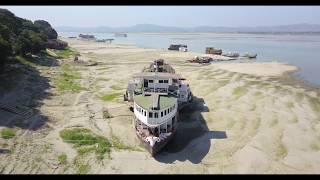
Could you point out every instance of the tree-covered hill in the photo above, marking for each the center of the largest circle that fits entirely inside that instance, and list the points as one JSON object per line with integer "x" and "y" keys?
{"x": 20, "y": 36}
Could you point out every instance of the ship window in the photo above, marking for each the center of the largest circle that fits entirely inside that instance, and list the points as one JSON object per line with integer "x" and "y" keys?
{"x": 150, "y": 114}
{"x": 161, "y": 113}
{"x": 150, "y": 81}
{"x": 165, "y": 112}
{"x": 156, "y": 115}
{"x": 160, "y": 81}
{"x": 166, "y": 81}
{"x": 145, "y": 113}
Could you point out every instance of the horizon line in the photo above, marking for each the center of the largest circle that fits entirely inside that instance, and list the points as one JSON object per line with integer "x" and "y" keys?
{"x": 99, "y": 26}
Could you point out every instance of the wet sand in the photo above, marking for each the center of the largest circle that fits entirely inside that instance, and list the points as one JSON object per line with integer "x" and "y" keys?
{"x": 245, "y": 118}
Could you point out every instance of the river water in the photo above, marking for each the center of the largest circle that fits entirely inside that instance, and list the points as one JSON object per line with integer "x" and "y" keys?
{"x": 301, "y": 50}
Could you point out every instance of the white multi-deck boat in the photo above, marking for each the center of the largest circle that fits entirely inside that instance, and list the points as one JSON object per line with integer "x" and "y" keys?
{"x": 156, "y": 95}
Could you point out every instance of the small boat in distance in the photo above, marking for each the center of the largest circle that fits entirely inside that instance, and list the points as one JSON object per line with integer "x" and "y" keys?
{"x": 250, "y": 56}
{"x": 100, "y": 40}
{"x": 183, "y": 49}
{"x": 105, "y": 40}
{"x": 231, "y": 54}
{"x": 87, "y": 36}
{"x": 201, "y": 60}
{"x": 120, "y": 35}
{"x": 178, "y": 47}
{"x": 212, "y": 50}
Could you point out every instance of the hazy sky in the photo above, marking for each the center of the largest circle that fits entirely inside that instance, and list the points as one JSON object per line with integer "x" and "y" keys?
{"x": 184, "y": 16}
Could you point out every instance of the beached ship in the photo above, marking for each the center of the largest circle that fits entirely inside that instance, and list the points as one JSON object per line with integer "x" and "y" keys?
{"x": 250, "y": 55}
{"x": 87, "y": 36}
{"x": 201, "y": 60}
{"x": 178, "y": 47}
{"x": 183, "y": 49}
{"x": 120, "y": 35}
{"x": 156, "y": 96}
{"x": 212, "y": 50}
{"x": 104, "y": 40}
{"x": 231, "y": 54}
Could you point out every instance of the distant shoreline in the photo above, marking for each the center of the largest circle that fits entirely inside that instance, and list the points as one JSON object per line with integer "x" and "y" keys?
{"x": 265, "y": 33}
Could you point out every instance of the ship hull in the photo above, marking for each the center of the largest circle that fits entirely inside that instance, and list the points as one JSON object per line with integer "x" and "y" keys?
{"x": 153, "y": 150}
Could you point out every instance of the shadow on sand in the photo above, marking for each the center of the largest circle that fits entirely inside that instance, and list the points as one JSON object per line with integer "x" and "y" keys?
{"x": 193, "y": 138}
{"x": 4, "y": 151}
{"x": 22, "y": 90}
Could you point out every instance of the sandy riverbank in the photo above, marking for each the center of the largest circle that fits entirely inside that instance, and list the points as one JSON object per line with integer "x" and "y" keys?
{"x": 244, "y": 120}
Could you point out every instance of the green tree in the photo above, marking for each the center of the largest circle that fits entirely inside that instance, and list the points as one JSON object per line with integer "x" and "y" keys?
{"x": 23, "y": 43}
{"x": 10, "y": 20}
{"x": 5, "y": 46}
{"x": 27, "y": 24}
{"x": 22, "y": 36}
{"x": 38, "y": 42}
{"x": 30, "y": 42}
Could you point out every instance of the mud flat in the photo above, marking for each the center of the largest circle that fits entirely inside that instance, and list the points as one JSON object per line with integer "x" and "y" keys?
{"x": 245, "y": 119}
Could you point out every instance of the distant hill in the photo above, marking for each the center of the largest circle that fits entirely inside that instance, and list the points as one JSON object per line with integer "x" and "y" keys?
{"x": 294, "y": 28}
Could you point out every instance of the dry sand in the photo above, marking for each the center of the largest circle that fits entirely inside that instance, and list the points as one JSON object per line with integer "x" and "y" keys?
{"x": 244, "y": 119}
{"x": 258, "y": 69}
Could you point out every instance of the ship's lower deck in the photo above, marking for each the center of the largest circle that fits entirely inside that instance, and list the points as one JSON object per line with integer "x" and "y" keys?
{"x": 155, "y": 138}
{"x": 153, "y": 150}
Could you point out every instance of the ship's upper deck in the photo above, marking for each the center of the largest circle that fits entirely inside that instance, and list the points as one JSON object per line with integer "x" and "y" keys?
{"x": 155, "y": 101}
{"x": 159, "y": 66}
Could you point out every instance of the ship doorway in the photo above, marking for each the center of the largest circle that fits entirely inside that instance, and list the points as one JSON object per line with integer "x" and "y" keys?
{"x": 156, "y": 132}
{"x": 145, "y": 83}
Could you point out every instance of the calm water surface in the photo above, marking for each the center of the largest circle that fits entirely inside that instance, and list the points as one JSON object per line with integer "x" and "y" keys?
{"x": 300, "y": 50}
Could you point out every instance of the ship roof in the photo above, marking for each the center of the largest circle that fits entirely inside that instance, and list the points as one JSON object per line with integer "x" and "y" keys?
{"x": 163, "y": 67}
{"x": 162, "y": 102}
{"x": 157, "y": 75}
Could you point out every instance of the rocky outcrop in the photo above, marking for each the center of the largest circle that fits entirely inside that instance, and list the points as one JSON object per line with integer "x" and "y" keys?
{"x": 56, "y": 44}
{"x": 52, "y": 41}
{"x": 46, "y": 29}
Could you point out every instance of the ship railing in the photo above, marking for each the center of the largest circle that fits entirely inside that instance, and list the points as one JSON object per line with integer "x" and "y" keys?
{"x": 163, "y": 91}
